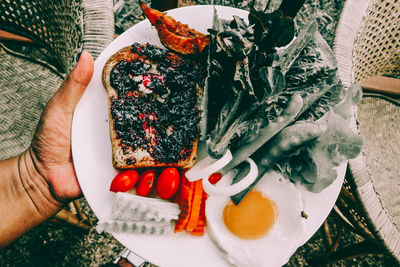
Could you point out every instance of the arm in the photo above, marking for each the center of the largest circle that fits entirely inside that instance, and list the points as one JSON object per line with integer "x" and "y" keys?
{"x": 25, "y": 198}
{"x": 35, "y": 184}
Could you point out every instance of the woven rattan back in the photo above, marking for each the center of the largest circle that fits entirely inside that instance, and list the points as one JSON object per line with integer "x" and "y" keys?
{"x": 367, "y": 43}
{"x": 31, "y": 73}
{"x": 377, "y": 48}
{"x": 54, "y": 25}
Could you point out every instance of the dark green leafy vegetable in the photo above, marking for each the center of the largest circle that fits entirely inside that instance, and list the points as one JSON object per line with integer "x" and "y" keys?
{"x": 251, "y": 86}
{"x": 212, "y": 100}
{"x": 242, "y": 79}
{"x": 308, "y": 152}
{"x": 241, "y": 98}
{"x": 286, "y": 142}
{"x": 290, "y": 54}
{"x": 273, "y": 79}
{"x": 291, "y": 7}
{"x": 314, "y": 75}
{"x": 314, "y": 164}
{"x": 352, "y": 98}
{"x": 271, "y": 30}
{"x": 266, "y": 133}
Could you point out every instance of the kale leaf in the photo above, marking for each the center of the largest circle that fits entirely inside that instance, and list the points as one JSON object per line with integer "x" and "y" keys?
{"x": 242, "y": 79}
{"x": 271, "y": 30}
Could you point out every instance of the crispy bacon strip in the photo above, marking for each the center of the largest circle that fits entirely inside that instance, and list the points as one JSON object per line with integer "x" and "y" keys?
{"x": 175, "y": 35}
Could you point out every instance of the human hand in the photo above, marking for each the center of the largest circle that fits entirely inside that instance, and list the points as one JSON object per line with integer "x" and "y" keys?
{"x": 51, "y": 145}
{"x": 35, "y": 184}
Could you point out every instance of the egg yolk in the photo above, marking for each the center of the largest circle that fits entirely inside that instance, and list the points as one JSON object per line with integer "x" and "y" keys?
{"x": 252, "y": 218}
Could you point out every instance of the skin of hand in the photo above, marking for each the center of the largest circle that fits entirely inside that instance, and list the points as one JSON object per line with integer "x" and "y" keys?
{"x": 35, "y": 184}
{"x": 51, "y": 144}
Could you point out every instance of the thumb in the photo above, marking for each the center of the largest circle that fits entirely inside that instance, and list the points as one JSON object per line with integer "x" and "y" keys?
{"x": 73, "y": 87}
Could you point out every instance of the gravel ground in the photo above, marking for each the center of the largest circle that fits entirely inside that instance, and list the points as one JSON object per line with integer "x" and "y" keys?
{"x": 54, "y": 244}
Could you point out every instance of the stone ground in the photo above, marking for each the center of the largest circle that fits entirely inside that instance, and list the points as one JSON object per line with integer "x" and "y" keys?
{"x": 53, "y": 244}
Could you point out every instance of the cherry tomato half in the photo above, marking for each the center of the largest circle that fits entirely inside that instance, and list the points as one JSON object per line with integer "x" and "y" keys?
{"x": 168, "y": 183}
{"x": 146, "y": 182}
{"x": 124, "y": 181}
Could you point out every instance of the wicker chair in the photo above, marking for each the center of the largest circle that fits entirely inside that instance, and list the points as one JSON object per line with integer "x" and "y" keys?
{"x": 49, "y": 35}
{"x": 367, "y": 43}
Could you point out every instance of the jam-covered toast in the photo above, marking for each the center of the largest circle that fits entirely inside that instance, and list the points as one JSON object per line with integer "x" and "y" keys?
{"x": 153, "y": 113}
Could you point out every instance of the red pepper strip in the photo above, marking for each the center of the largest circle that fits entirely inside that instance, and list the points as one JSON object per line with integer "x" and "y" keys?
{"x": 184, "y": 206}
{"x": 195, "y": 207}
{"x": 199, "y": 230}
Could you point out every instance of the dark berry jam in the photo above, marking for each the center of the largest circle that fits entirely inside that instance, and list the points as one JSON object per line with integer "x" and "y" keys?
{"x": 156, "y": 106}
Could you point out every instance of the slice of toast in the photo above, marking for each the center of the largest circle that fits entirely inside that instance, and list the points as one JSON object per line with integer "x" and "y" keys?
{"x": 152, "y": 101}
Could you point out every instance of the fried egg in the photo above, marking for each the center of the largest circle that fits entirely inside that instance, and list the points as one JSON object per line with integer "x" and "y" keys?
{"x": 265, "y": 229}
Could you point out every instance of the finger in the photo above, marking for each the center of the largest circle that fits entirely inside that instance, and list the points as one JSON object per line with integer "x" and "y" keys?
{"x": 73, "y": 87}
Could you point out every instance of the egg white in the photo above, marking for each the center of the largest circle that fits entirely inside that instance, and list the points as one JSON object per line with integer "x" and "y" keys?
{"x": 277, "y": 246}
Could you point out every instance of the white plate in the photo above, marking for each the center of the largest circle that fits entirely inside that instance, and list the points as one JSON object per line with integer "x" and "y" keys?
{"x": 91, "y": 149}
